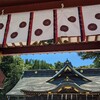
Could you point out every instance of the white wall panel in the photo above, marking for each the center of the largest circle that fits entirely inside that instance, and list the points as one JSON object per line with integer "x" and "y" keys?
{"x": 3, "y": 22}
{"x": 42, "y": 26}
{"x": 18, "y": 31}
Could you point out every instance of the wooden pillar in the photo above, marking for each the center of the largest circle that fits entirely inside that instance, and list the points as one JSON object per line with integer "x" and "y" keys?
{"x": 8, "y": 97}
{"x": 98, "y": 98}
{"x": 79, "y": 97}
{"x": 24, "y": 98}
{"x": 76, "y": 98}
{"x": 18, "y": 98}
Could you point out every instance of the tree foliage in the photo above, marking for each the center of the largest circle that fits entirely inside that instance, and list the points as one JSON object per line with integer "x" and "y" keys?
{"x": 91, "y": 55}
{"x": 38, "y": 64}
{"x": 58, "y": 65}
{"x": 12, "y": 67}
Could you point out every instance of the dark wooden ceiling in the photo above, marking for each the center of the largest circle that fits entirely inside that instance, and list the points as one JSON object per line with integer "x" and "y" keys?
{"x": 4, "y": 3}
{"x": 12, "y": 6}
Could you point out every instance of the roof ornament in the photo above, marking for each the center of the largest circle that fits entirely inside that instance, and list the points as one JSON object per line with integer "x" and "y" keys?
{"x": 62, "y": 5}
{"x": 66, "y": 62}
{"x": 2, "y": 12}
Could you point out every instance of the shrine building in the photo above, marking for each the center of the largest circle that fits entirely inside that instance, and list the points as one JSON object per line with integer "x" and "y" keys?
{"x": 65, "y": 84}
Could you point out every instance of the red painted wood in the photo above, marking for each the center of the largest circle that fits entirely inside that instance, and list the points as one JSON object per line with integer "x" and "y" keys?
{"x": 6, "y": 31}
{"x": 83, "y": 36}
{"x": 55, "y": 26}
{"x": 84, "y": 46}
{"x": 4, "y": 3}
{"x": 30, "y": 29}
{"x": 11, "y": 7}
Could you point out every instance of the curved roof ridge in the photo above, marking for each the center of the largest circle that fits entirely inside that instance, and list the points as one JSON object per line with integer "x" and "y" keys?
{"x": 68, "y": 68}
{"x": 66, "y": 85}
{"x": 69, "y": 85}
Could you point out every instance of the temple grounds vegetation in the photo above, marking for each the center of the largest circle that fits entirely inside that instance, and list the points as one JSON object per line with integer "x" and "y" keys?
{"x": 14, "y": 66}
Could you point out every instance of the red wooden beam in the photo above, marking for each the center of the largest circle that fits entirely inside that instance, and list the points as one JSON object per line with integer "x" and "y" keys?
{"x": 84, "y": 46}
{"x": 6, "y": 31}
{"x": 23, "y": 7}
{"x": 83, "y": 36}
{"x": 30, "y": 28}
{"x": 4, "y": 3}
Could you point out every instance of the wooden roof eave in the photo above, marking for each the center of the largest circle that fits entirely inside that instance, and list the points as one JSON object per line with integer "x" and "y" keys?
{"x": 28, "y": 92}
{"x": 70, "y": 84}
{"x": 56, "y": 90}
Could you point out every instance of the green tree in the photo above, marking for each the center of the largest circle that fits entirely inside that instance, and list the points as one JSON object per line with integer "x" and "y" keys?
{"x": 91, "y": 55}
{"x": 28, "y": 64}
{"x": 12, "y": 66}
{"x": 58, "y": 65}
{"x": 40, "y": 64}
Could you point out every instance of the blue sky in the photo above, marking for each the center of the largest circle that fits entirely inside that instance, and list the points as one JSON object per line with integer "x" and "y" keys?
{"x": 54, "y": 57}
